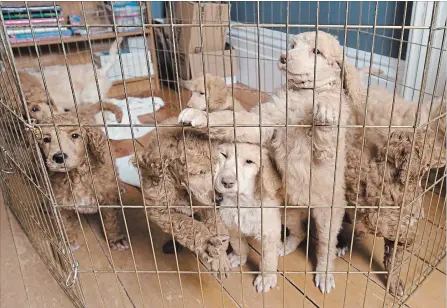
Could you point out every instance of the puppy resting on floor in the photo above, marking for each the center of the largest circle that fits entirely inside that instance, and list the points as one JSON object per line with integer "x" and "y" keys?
{"x": 394, "y": 171}
{"x": 255, "y": 188}
{"x": 83, "y": 80}
{"x": 81, "y": 172}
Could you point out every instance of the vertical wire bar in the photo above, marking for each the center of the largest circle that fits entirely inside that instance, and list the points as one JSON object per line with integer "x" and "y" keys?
{"x": 209, "y": 139}
{"x": 109, "y": 148}
{"x": 67, "y": 248}
{"x": 135, "y": 151}
{"x": 235, "y": 150}
{"x": 184, "y": 146}
{"x": 286, "y": 162}
{"x": 432, "y": 150}
{"x": 424, "y": 80}
{"x": 386, "y": 153}
{"x": 85, "y": 147}
{"x": 210, "y": 146}
{"x": 260, "y": 142}
{"x": 311, "y": 152}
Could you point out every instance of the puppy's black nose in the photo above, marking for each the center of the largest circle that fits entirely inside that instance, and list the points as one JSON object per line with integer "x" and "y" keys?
{"x": 228, "y": 183}
{"x": 59, "y": 158}
{"x": 218, "y": 199}
{"x": 283, "y": 59}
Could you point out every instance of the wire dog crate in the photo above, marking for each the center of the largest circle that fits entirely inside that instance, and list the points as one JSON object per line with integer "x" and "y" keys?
{"x": 398, "y": 47}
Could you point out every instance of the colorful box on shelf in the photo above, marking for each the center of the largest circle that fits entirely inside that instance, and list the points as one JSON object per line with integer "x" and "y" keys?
{"x": 134, "y": 64}
{"x": 129, "y": 14}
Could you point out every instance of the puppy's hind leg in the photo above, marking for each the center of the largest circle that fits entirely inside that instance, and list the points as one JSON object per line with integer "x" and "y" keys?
{"x": 326, "y": 246}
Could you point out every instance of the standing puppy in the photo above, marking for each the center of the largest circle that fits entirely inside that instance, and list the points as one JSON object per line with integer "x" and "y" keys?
{"x": 249, "y": 180}
{"x": 82, "y": 174}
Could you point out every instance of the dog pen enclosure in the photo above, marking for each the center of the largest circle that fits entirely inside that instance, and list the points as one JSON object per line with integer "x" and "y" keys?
{"x": 401, "y": 45}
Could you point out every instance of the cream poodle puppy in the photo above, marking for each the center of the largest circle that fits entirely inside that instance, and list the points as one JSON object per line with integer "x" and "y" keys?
{"x": 82, "y": 78}
{"x": 248, "y": 179}
{"x": 307, "y": 153}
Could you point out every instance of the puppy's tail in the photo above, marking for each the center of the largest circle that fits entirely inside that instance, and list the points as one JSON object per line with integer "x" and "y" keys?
{"x": 92, "y": 109}
{"x": 113, "y": 51}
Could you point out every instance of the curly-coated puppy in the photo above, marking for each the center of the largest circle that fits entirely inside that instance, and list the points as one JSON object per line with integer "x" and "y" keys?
{"x": 318, "y": 144}
{"x": 39, "y": 105}
{"x": 177, "y": 169}
{"x": 82, "y": 78}
{"x": 217, "y": 93}
{"x": 81, "y": 172}
{"x": 393, "y": 169}
{"x": 249, "y": 180}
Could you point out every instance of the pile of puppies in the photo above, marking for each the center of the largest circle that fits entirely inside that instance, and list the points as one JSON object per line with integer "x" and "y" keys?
{"x": 214, "y": 184}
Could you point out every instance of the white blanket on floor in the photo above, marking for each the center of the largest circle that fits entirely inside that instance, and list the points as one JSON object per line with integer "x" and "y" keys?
{"x": 137, "y": 107}
{"x": 127, "y": 172}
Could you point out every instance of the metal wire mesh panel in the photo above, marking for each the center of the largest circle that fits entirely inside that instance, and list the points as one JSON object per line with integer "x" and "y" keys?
{"x": 229, "y": 153}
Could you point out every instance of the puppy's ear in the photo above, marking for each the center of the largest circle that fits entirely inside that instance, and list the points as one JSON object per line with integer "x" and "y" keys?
{"x": 267, "y": 178}
{"x": 351, "y": 81}
{"x": 97, "y": 144}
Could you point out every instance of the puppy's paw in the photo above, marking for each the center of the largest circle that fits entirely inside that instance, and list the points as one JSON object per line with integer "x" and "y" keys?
{"x": 396, "y": 287}
{"x": 217, "y": 245}
{"x": 119, "y": 244}
{"x": 220, "y": 264}
{"x": 288, "y": 246}
{"x": 196, "y": 118}
{"x": 235, "y": 260}
{"x": 325, "y": 113}
{"x": 263, "y": 283}
{"x": 325, "y": 282}
{"x": 74, "y": 246}
{"x": 341, "y": 251}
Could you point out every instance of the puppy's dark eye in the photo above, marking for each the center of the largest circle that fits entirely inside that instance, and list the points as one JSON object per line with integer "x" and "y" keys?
{"x": 224, "y": 155}
{"x": 47, "y": 139}
{"x": 316, "y": 51}
{"x": 202, "y": 93}
{"x": 74, "y": 136}
{"x": 35, "y": 109}
{"x": 66, "y": 110}
{"x": 249, "y": 161}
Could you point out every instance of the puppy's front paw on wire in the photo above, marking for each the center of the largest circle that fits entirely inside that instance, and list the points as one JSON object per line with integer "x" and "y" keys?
{"x": 196, "y": 118}
{"x": 325, "y": 282}
{"x": 263, "y": 283}
{"x": 325, "y": 114}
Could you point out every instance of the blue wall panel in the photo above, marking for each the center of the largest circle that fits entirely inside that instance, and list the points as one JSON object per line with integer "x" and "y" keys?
{"x": 334, "y": 13}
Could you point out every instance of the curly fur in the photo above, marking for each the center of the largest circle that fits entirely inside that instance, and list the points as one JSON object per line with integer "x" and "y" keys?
{"x": 82, "y": 78}
{"x": 85, "y": 177}
{"x": 242, "y": 185}
{"x": 307, "y": 147}
{"x": 182, "y": 171}
{"x": 394, "y": 171}
{"x": 38, "y": 104}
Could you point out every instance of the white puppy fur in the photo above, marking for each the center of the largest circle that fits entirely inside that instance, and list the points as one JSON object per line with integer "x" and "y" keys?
{"x": 317, "y": 145}
{"x": 82, "y": 78}
{"x": 259, "y": 216}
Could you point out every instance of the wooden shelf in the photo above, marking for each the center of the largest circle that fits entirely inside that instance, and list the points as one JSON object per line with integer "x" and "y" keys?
{"x": 81, "y": 38}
